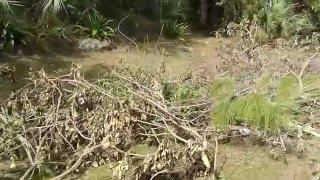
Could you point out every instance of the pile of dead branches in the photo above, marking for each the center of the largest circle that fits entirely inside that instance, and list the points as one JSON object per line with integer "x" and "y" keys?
{"x": 7, "y": 73}
{"x": 67, "y": 124}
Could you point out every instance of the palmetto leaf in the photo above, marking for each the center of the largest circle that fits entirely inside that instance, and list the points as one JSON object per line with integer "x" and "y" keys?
{"x": 56, "y": 5}
{"x": 6, "y": 4}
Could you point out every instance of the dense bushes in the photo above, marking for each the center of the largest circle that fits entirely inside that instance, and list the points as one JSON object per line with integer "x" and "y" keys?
{"x": 278, "y": 18}
{"x": 40, "y": 21}
{"x": 25, "y": 18}
{"x": 94, "y": 25}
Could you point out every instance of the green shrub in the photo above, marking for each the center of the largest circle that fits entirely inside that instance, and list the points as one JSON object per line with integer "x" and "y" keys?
{"x": 95, "y": 26}
{"x": 11, "y": 35}
{"x": 276, "y": 17}
{"x": 181, "y": 93}
{"x": 279, "y": 19}
{"x": 174, "y": 29}
{"x": 315, "y": 5}
{"x": 39, "y": 33}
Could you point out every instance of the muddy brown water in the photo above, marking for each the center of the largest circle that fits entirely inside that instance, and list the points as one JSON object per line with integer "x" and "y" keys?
{"x": 23, "y": 65}
{"x": 179, "y": 58}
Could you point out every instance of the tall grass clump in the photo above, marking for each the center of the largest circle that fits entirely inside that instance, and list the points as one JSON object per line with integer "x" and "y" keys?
{"x": 260, "y": 110}
{"x": 174, "y": 29}
{"x": 253, "y": 110}
{"x": 175, "y": 16}
{"x": 95, "y": 25}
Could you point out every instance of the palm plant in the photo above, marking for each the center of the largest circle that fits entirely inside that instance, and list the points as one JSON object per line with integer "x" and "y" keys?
{"x": 174, "y": 29}
{"x": 315, "y": 6}
{"x": 279, "y": 19}
{"x": 11, "y": 35}
{"x": 55, "y": 5}
{"x": 7, "y": 3}
{"x": 4, "y": 5}
{"x": 95, "y": 26}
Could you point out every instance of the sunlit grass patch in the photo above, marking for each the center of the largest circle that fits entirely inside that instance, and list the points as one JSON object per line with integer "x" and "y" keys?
{"x": 271, "y": 106}
{"x": 253, "y": 110}
{"x": 222, "y": 88}
{"x": 182, "y": 93}
{"x": 286, "y": 92}
{"x": 265, "y": 108}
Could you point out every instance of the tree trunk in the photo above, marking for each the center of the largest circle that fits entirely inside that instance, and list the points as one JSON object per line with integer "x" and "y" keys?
{"x": 203, "y": 12}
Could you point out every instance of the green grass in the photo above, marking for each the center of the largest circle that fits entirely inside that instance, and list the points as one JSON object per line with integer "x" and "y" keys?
{"x": 174, "y": 29}
{"x": 287, "y": 90}
{"x": 182, "y": 93}
{"x": 222, "y": 88}
{"x": 263, "y": 110}
{"x": 253, "y": 110}
{"x": 311, "y": 84}
{"x": 270, "y": 107}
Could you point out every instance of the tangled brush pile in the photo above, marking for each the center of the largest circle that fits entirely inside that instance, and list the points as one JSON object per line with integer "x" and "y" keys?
{"x": 62, "y": 125}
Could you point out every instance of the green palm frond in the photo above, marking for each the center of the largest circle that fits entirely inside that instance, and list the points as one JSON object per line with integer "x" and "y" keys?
{"x": 5, "y": 5}
{"x": 279, "y": 19}
{"x": 174, "y": 29}
{"x": 95, "y": 25}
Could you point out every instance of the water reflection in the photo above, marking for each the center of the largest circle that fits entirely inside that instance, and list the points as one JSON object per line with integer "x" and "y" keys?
{"x": 26, "y": 64}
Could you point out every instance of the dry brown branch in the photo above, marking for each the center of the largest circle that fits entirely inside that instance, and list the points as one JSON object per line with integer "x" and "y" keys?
{"x": 86, "y": 151}
{"x": 300, "y": 76}
{"x": 68, "y": 119}
{"x": 158, "y": 173}
{"x": 137, "y": 47}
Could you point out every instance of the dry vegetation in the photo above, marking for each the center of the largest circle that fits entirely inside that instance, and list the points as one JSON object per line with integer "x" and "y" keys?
{"x": 145, "y": 127}
{"x": 66, "y": 123}
{"x": 62, "y": 125}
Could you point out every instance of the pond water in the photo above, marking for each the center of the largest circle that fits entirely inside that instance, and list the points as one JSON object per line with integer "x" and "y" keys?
{"x": 22, "y": 68}
{"x": 178, "y": 58}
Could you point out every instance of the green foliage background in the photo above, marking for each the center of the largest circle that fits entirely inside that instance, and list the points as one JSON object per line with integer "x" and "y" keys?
{"x": 30, "y": 19}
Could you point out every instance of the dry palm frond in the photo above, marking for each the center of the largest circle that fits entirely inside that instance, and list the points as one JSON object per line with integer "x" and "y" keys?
{"x": 56, "y": 5}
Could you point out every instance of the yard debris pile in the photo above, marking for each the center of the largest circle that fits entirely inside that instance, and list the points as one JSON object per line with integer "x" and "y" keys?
{"x": 66, "y": 124}
{"x": 146, "y": 127}
{"x": 247, "y": 58}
